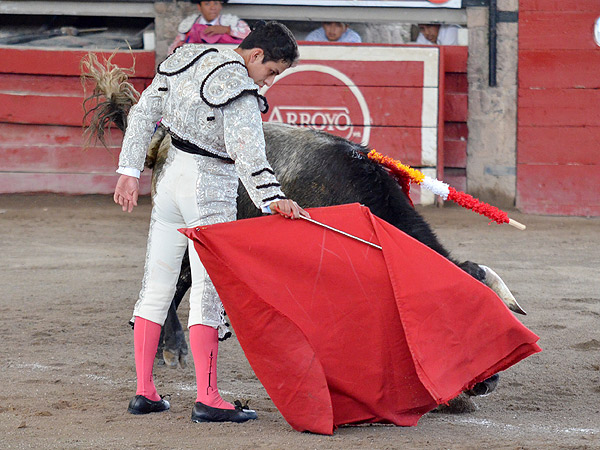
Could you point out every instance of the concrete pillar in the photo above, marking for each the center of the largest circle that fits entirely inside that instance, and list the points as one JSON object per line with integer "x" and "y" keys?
{"x": 492, "y": 121}
{"x": 383, "y": 33}
{"x": 168, "y": 16}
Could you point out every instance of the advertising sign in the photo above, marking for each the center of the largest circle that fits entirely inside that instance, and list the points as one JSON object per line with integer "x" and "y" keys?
{"x": 369, "y": 3}
{"x": 383, "y": 97}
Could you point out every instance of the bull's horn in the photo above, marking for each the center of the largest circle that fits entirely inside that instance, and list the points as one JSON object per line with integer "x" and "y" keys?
{"x": 495, "y": 283}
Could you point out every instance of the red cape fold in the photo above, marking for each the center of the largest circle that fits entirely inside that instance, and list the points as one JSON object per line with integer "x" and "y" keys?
{"x": 340, "y": 332}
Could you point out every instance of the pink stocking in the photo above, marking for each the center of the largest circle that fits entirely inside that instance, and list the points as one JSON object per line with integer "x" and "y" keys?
{"x": 145, "y": 340}
{"x": 205, "y": 347}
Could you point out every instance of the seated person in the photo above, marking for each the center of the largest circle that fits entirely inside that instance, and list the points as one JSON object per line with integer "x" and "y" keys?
{"x": 436, "y": 34}
{"x": 210, "y": 26}
{"x": 334, "y": 32}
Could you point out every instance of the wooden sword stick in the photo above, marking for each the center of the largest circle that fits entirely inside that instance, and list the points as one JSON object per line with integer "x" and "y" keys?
{"x": 330, "y": 228}
{"x": 341, "y": 232}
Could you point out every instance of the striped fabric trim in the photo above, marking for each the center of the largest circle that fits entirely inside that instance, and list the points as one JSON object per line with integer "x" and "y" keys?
{"x": 266, "y": 169}
{"x": 274, "y": 197}
{"x": 268, "y": 185}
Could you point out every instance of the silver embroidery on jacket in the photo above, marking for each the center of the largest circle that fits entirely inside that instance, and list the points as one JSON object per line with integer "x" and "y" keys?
{"x": 226, "y": 83}
{"x": 233, "y": 130}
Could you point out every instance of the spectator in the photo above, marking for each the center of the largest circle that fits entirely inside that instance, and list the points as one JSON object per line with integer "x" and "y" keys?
{"x": 334, "y": 32}
{"x": 210, "y": 26}
{"x": 436, "y": 34}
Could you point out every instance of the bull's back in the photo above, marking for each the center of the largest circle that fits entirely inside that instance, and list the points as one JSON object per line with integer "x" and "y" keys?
{"x": 314, "y": 169}
{"x": 319, "y": 169}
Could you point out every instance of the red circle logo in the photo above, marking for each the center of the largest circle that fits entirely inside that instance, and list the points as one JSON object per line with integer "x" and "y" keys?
{"x": 320, "y": 97}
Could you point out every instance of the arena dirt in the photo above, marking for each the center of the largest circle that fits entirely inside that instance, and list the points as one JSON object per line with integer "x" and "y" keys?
{"x": 70, "y": 270}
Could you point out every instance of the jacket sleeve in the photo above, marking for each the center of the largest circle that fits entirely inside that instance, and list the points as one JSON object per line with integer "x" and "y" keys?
{"x": 245, "y": 144}
{"x": 141, "y": 123}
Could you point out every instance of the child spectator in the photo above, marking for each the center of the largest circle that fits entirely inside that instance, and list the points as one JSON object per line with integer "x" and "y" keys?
{"x": 334, "y": 32}
{"x": 210, "y": 26}
{"x": 436, "y": 34}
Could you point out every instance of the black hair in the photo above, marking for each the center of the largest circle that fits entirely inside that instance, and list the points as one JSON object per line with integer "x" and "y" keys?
{"x": 275, "y": 40}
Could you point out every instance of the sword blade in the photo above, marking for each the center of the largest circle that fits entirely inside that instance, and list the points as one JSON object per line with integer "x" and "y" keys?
{"x": 341, "y": 232}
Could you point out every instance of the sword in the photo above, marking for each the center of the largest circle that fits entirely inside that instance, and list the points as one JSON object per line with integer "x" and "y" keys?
{"x": 341, "y": 232}
{"x": 331, "y": 228}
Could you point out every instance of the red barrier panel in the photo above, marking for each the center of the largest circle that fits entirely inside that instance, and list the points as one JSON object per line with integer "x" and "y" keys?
{"x": 66, "y": 62}
{"x": 558, "y": 165}
{"x": 41, "y": 115}
{"x": 384, "y": 96}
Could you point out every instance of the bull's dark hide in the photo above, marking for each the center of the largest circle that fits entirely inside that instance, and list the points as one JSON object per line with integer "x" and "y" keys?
{"x": 314, "y": 168}
{"x": 319, "y": 169}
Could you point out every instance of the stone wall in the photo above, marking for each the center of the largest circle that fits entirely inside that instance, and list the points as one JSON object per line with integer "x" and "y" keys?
{"x": 168, "y": 16}
{"x": 388, "y": 33}
{"x": 491, "y": 149}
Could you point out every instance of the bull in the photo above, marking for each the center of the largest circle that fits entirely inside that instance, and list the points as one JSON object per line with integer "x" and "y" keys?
{"x": 314, "y": 168}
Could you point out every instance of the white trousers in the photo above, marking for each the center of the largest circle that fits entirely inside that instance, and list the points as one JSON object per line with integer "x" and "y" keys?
{"x": 193, "y": 190}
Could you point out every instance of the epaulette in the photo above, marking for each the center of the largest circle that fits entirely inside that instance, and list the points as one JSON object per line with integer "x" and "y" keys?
{"x": 227, "y": 82}
{"x": 183, "y": 58}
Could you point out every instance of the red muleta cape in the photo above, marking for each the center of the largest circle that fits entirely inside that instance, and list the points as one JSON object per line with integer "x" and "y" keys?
{"x": 340, "y": 332}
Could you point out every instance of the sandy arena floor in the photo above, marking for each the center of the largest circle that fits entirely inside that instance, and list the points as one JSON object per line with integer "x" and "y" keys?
{"x": 70, "y": 271}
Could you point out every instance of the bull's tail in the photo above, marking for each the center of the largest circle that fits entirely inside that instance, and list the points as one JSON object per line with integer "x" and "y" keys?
{"x": 112, "y": 97}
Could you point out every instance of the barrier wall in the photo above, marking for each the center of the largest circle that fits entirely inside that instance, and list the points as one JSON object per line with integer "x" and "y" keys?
{"x": 386, "y": 97}
{"x": 41, "y": 113}
{"x": 558, "y": 163}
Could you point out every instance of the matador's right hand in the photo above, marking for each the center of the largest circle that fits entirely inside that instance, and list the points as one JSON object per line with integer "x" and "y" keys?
{"x": 126, "y": 192}
{"x": 288, "y": 208}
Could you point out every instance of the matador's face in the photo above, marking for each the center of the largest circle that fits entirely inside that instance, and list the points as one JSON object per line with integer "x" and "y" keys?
{"x": 264, "y": 74}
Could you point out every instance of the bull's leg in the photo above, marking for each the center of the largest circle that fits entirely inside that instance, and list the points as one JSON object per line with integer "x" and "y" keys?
{"x": 175, "y": 349}
{"x": 485, "y": 387}
{"x": 459, "y": 405}
{"x": 185, "y": 280}
{"x": 464, "y": 403}
{"x": 174, "y": 346}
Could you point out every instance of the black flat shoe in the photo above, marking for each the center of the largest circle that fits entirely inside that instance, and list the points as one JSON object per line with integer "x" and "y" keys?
{"x": 141, "y": 405}
{"x": 205, "y": 413}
